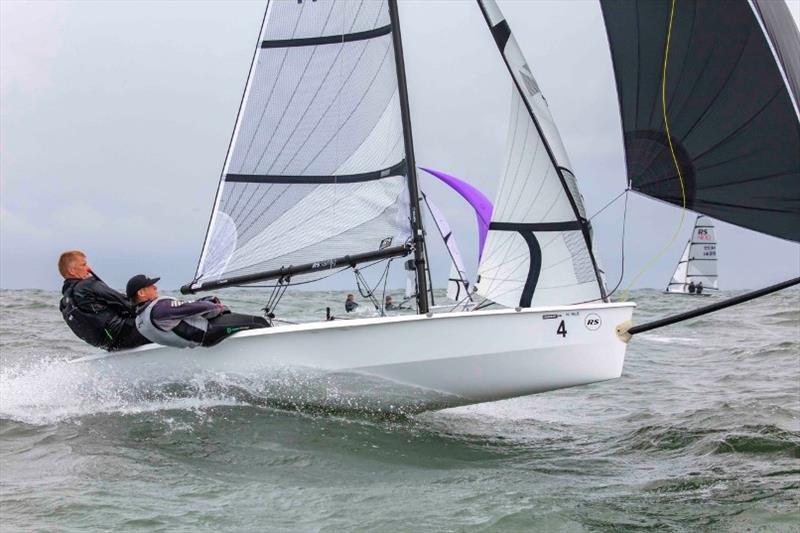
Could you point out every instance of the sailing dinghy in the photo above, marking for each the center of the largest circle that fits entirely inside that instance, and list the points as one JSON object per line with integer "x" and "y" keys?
{"x": 698, "y": 263}
{"x": 320, "y": 175}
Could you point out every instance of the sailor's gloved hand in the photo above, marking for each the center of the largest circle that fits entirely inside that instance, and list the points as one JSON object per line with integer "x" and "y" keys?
{"x": 219, "y": 309}
{"x": 212, "y": 299}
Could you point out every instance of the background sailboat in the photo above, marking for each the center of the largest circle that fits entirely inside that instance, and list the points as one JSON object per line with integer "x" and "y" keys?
{"x": 698, "y": 262}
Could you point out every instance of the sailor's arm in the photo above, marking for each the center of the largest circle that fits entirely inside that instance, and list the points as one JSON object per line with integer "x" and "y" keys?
{"x": 98, "y": 293}
{"x": 174, "y": 310}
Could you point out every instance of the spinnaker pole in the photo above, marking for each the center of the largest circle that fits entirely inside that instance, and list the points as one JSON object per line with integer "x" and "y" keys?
{"x": 655, "y": 324}
{"x": 411, "y": 165}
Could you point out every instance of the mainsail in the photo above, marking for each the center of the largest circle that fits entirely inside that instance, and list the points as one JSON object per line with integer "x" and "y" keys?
{"x": 539, "y": 247}
{"x": 318, "y": 164}
{"x": 698, "y": 263}
{"x": 708, "y": 93}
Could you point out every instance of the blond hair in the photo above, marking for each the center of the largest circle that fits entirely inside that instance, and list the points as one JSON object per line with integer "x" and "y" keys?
{"x": 67, "y": 260}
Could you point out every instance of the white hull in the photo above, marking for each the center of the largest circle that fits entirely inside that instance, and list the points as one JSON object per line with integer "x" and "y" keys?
{"x": 449, "y": 359}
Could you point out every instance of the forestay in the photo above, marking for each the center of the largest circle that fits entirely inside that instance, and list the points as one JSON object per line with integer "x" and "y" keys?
{"x": 538, "y": 250}
{"x": 316, "y": 168}
{"x": 708, "y": 93}
{"x": 698, "y": 263}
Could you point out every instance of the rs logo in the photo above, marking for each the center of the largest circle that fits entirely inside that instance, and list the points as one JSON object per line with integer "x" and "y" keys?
{"x": 593, "y": 322}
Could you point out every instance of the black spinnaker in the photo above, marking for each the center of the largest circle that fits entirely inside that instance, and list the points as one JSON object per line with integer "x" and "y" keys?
{"x": 708, "y": 93}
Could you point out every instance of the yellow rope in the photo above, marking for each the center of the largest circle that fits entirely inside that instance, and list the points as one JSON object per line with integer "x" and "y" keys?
{"x": 674, "y": 159}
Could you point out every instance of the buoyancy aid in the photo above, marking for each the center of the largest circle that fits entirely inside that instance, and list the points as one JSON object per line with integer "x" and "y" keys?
{"x": 188, "y": 333}
{"x": 90, "y": 319}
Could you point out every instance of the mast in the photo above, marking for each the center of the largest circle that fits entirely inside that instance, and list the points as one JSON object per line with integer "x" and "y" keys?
{"x": 411, "y": 166}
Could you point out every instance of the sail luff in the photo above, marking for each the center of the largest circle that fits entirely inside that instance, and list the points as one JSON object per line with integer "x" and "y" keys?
{"x": 418, "y": 232}
{"x": 220, "y": 185}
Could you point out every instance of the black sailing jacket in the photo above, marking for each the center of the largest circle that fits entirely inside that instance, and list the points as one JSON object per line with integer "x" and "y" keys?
{"x": 97, "y": 313}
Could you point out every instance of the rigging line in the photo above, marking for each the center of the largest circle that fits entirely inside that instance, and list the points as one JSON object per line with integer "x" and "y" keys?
{"x": 674, "y": 160}
{"x": 611, "y": 202}
{"x": 385, "y": 282}
{"x": 622, "y": 258}
{"x": 369, "y": 292}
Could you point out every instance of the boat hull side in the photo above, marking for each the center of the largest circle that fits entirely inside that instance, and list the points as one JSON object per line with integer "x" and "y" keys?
{"x": 470, "y": 357}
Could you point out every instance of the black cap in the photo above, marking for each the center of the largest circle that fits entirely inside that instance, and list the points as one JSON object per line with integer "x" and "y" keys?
{"x": 139, "y": 281}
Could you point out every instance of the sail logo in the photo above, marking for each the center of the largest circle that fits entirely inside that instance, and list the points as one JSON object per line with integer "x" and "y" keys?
{"x": 703, "y": 234}
{"x": 593, "y": 322}
{"x": 330, "y": 263}
{"x": 529, "y": 81}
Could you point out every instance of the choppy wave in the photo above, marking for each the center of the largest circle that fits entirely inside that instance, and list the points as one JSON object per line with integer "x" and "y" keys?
{"x": 702, "y": 432}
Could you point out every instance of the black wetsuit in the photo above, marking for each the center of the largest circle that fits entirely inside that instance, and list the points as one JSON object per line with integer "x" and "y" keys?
{"x": 99, "y": 315}
{"x": 229, "y": 323}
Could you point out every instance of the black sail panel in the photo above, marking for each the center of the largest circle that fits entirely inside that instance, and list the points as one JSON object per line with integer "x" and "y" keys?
{"x": 731, "y": 107}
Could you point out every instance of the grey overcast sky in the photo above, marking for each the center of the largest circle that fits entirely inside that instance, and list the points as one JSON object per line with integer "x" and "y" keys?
{"x": 115, "y": 118}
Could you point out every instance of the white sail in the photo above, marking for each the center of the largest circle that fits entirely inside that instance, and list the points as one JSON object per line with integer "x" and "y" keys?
{"x": 316, "y": 166}
{"x": 698, "y": 263}
{"x": 457, "y": 281}
{"x": 538, "y": 249}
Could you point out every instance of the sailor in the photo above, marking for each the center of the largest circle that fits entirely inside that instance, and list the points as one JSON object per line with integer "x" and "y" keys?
{"x": 389, "y": 304}
{"x": 699, "y": 288}
{"x": 93, "y": 311}
{"x": 350, "y": 304}
{"x": 171, "y": 322}
{"x": 692, "y": 287}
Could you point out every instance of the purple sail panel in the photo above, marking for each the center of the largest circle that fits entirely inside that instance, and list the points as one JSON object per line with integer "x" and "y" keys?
{"x": 478, "y": 201}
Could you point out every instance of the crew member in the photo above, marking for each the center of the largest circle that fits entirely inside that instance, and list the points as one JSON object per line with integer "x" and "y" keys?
{"x": 350, "y": 304}
{"x": 692, "y": 287}
{"x": 170, "y": 322}
{"x": 389, "y": 304}
{"x": 699, "y": 288}
{"x": 93, "y": 311}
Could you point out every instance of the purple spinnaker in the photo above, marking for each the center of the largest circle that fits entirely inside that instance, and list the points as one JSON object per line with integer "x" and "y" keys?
{"x": 475, "y": 198}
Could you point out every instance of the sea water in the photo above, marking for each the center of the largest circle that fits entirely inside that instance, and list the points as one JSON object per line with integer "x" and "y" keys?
{"x": 702, "y": 432}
